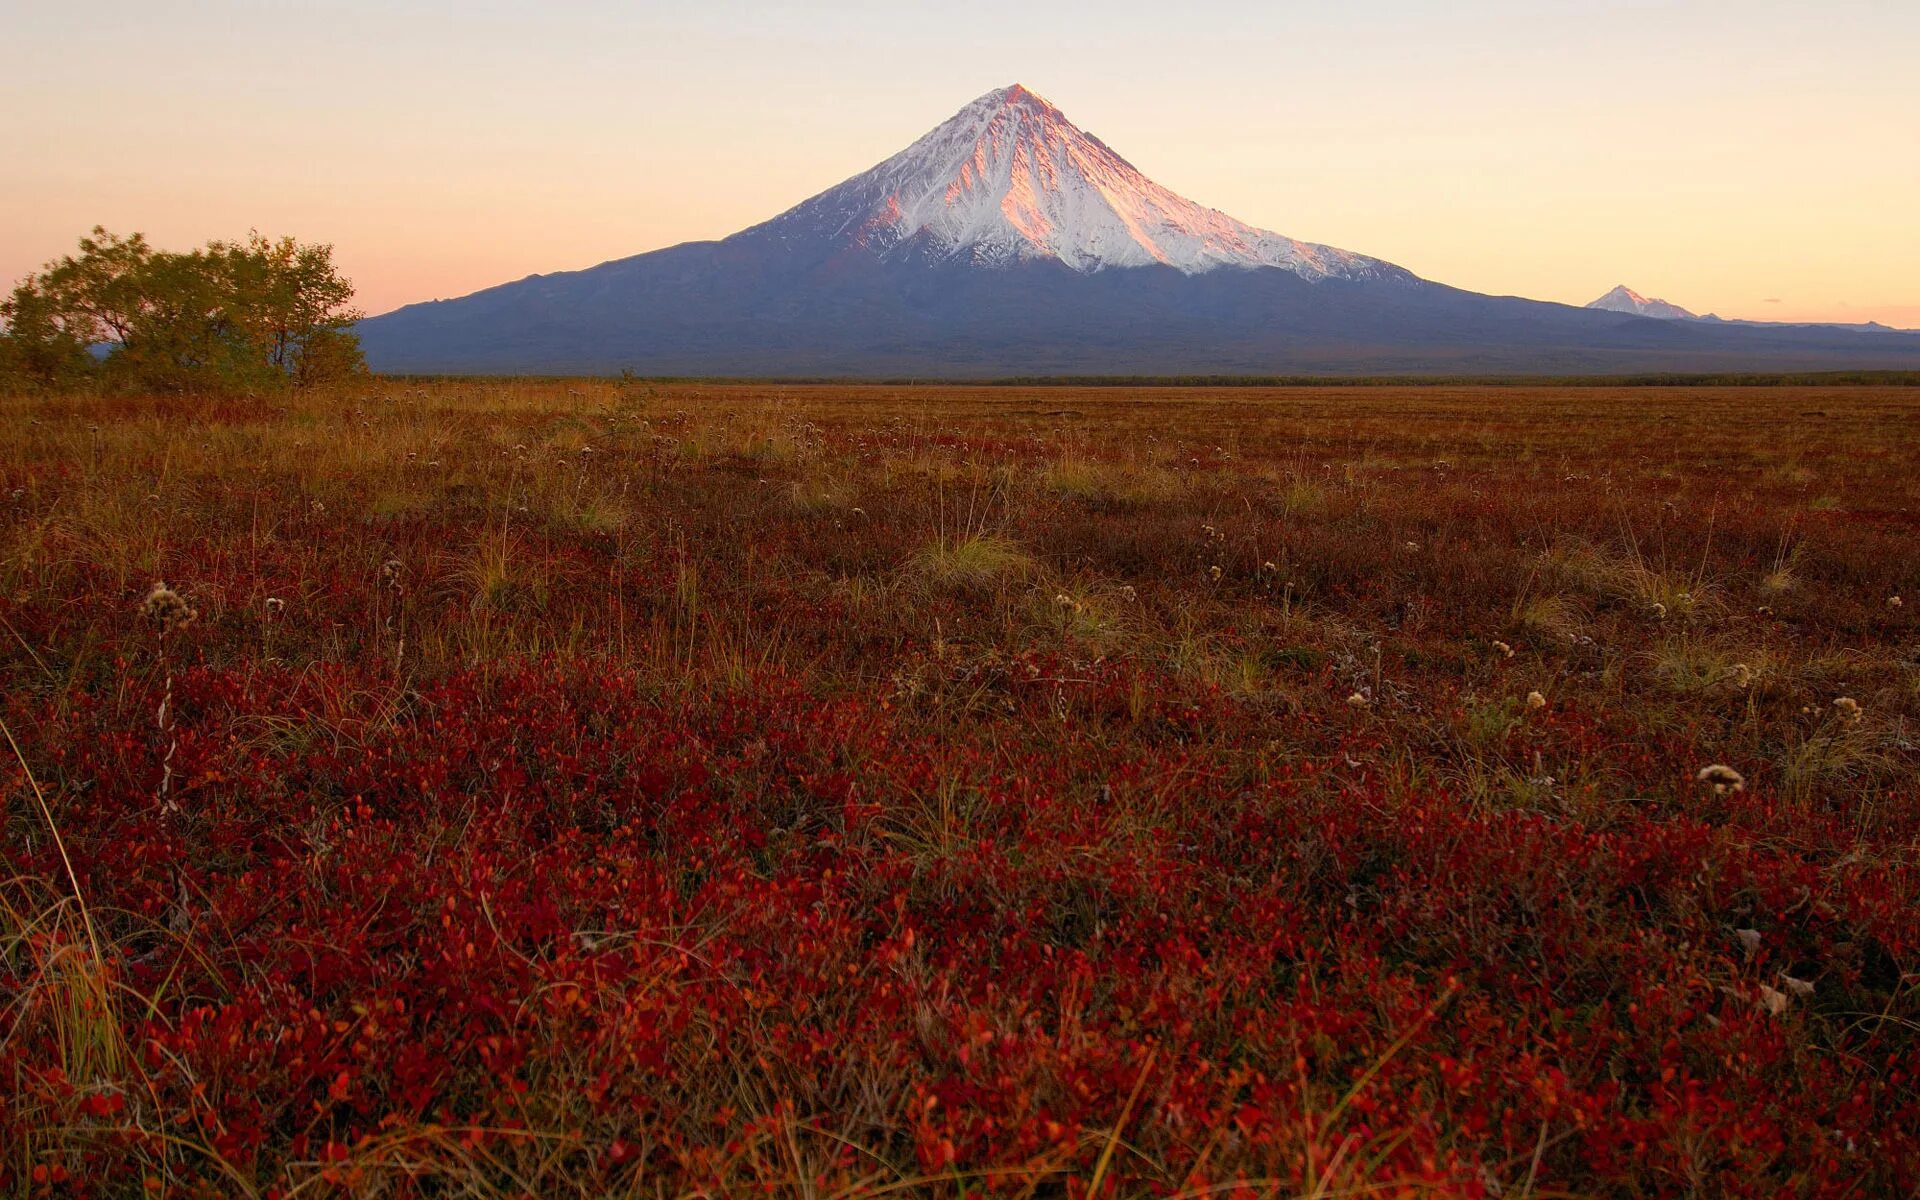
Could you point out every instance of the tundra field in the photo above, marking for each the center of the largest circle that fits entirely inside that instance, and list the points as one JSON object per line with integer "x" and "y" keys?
{"x": 597, "y": 789}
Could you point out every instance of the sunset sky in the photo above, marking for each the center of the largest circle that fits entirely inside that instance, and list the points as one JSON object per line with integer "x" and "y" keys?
{"x": 1753, "y": 159}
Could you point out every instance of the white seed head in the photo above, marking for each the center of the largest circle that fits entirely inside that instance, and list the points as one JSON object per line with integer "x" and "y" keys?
{"x": 167, "y": 609}
{"x": 1723, "y": 778}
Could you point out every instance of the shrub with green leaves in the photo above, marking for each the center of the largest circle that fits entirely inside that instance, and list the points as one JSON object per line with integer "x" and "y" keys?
{"x": 232, "y": 316}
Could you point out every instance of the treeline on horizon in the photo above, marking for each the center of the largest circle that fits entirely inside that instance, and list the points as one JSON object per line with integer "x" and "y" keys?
{"x": 1659, "y": 379}
{"x": 1644, "y": 380}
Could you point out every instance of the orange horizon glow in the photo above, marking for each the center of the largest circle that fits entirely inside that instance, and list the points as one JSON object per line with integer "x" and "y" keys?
{"x": 1754, "y": 161}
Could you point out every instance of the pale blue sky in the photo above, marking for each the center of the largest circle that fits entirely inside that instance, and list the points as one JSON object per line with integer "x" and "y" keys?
{"x": 1758, "y": 159}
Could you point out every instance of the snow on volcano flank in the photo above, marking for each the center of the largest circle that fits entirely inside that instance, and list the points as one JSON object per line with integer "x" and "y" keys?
{"x": 1624, "y": 299}
{"x": 1010, "y": 178}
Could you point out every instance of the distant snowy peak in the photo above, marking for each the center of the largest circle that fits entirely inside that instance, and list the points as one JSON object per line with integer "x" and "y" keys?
{"x": 1009, "y": 178}
{"x": 1624, "y": 299}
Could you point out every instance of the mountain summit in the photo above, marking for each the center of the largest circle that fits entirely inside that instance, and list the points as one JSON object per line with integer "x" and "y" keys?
{"x": 1624, "y": 299}
{"x": 1009, "y": 178}
{"x": 1009, "y": 241}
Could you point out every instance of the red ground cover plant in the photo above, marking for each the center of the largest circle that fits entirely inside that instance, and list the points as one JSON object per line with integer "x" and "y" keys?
{"x": 594, "y": 789}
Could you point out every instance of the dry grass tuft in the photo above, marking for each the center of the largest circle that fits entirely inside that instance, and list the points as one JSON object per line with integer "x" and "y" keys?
{"x": 977, "y": 561}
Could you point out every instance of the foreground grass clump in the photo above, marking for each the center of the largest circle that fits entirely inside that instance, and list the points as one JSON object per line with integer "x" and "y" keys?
{"x": 588, "y": 789}
{"x": 974, "y": 561}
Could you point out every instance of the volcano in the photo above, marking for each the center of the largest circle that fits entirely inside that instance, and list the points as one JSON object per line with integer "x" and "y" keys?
{"x": 1009, "y": 241}
{"x": 1624, "y": 299}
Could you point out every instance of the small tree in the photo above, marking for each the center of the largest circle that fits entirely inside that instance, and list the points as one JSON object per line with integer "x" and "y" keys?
{"x": 185, "y": 333}
{"x": 233, "y": 316}
{"x": 42, "y": 346}
{"x": 290, "y": 303}
{"x": 326, "y": 355}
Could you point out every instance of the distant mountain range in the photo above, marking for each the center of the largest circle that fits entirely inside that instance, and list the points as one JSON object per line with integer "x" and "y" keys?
{"x": 1008, "y": 241}
{"x": 1624, "y": 299}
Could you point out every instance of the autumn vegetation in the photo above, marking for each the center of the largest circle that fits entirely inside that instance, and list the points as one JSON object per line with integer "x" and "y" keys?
{"x": 234, "y": 317}
{"x": 593, "y": 788}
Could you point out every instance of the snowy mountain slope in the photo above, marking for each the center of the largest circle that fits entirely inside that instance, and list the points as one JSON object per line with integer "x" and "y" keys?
{"x": 1009, "y": 178}
{"x": 1624, "y": 299}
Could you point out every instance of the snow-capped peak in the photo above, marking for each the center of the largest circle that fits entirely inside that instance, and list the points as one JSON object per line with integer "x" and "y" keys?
{"x": 1624, "y": 299}
{"x": 1010, "y": 178}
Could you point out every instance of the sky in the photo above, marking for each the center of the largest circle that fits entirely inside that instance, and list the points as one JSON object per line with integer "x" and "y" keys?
{"x": 1754, "y": 159}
